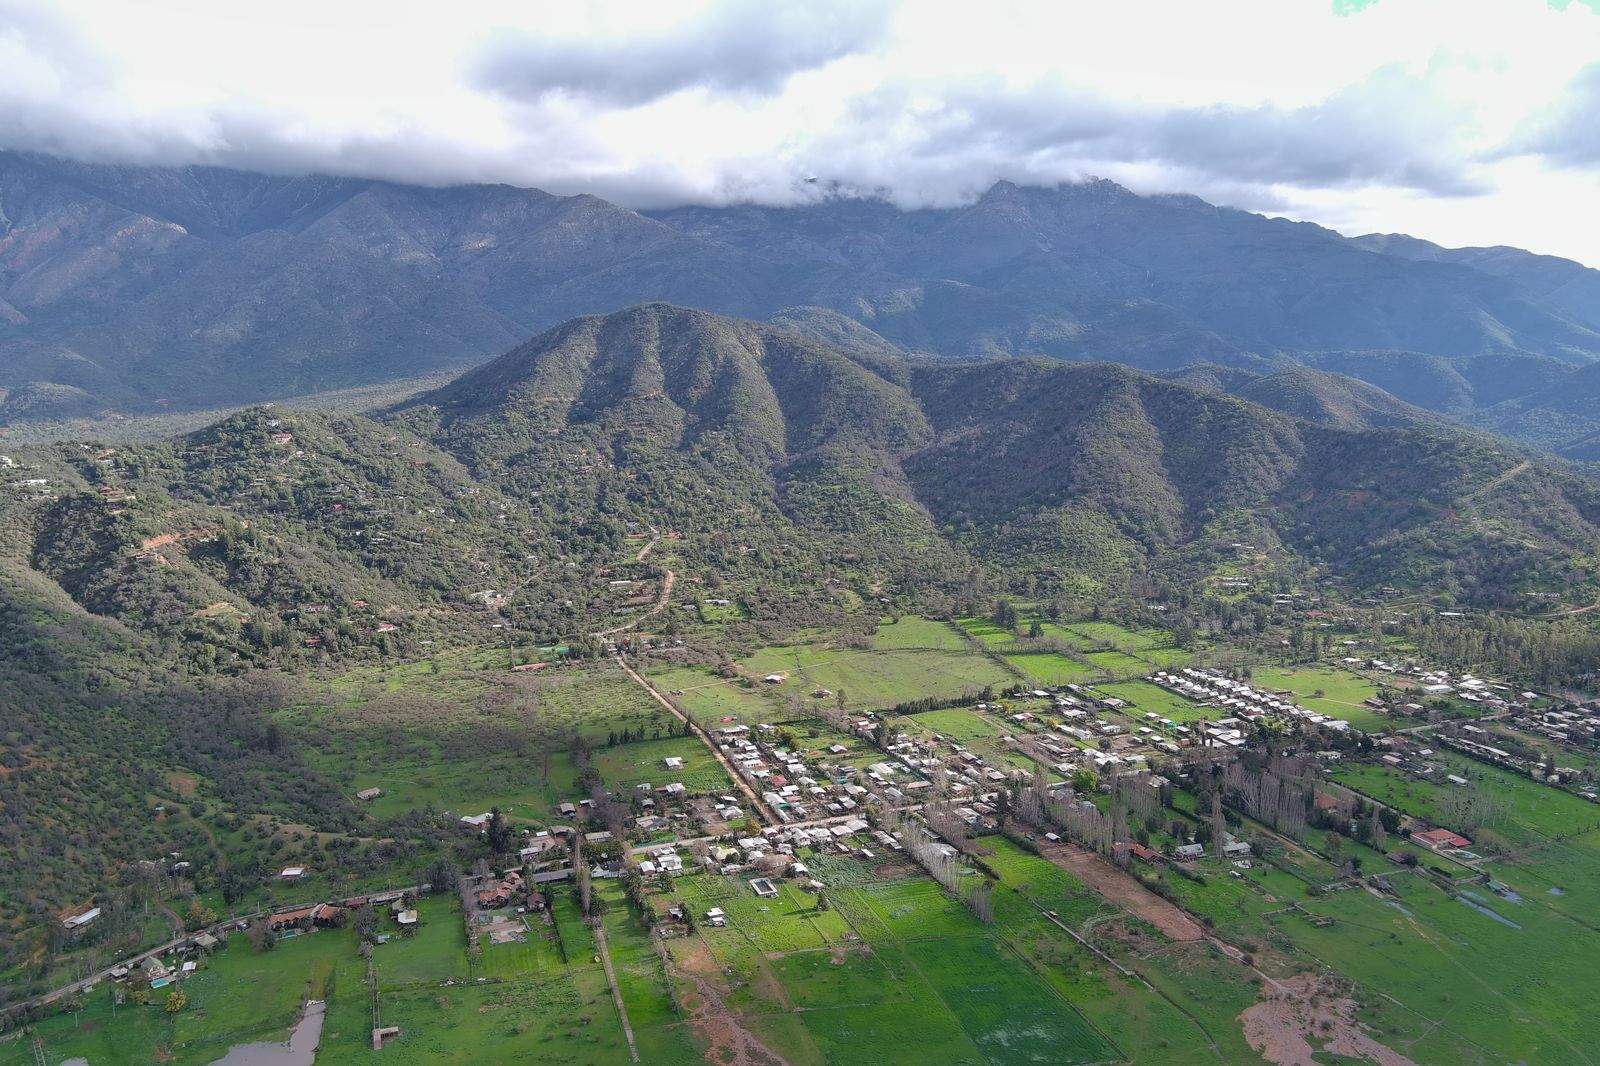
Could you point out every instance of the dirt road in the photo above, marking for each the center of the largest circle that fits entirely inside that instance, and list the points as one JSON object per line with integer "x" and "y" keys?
{"x": 616, "y": 992}
{"x": 705, "y": 738}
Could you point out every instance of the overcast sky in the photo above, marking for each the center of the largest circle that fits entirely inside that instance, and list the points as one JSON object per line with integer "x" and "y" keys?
{"x": 1463, "y": 121}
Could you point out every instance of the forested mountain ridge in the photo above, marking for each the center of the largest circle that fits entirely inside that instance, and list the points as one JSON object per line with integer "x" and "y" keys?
{"x": 148, "y": 289}
{"x": 775, "y": 461}
{"x": 1049, "y": 469}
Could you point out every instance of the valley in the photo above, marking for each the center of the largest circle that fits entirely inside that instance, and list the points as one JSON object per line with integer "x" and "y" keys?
{"x": 677, "y": 687}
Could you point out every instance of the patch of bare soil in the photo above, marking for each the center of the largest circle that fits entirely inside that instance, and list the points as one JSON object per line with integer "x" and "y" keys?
{"x": 1124, "y": 890}
{"x": 728, "y": 1042}
{"x": 1282, "y": 1026}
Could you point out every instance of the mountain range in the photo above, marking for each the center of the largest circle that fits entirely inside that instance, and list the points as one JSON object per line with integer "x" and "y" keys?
{"x": 787, "y": 468}
{"x": 149, "y": 289}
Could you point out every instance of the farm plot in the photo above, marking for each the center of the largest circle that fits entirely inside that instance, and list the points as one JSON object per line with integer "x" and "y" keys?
{"x": 912, "y": 633}
{"x": 626, "y": 766}
{"x": 1330, "y": 691}
{"x": 1144, "y": 696}
{"x": 536, "y": 1005}
{"x": 1522, "y": 811}
{"x": 1053, "y": 668}
{"x": 1117, "y": 664}
{"x": 1488, "y": 960}
{"x": 712, "y": 699}
{"x": 873, "y": 678}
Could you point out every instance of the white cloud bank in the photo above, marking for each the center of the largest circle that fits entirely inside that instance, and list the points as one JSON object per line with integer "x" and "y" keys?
{"x": 1465, "y": 121}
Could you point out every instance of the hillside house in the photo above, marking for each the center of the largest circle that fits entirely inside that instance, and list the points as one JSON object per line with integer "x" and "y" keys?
{"x": 78, "y": 917}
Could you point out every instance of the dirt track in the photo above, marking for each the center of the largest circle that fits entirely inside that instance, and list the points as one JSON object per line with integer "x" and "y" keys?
{"x": 1123, "y": 890}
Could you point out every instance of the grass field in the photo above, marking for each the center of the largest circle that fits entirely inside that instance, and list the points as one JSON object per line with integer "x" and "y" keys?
{"x": 522, "y": 1001}
{"x": 712, "y": 699}
{"x": 1145, "y": 696}
{"x": 1531, "y": 813}
{"x": 1053, "y": 668}
{"x": 1117, "y": 664}
{"x": 875, "y": 677}
{"x": 1341, "y": 691}
{"x": 897, "y": 971}
{"x": 626, "y": 766}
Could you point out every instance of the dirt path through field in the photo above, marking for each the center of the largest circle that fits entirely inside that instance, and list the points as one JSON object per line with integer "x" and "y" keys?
{"x": 616, "y": 990}
{"x": 1123, "y": 890}
{"x": 728, "y": 1042}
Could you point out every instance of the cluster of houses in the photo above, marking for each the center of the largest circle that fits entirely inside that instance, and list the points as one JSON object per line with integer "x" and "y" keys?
{"x": 1117, "y": 746}
{"x": 793, "y": 791}
{"x": 1240, "y": 701}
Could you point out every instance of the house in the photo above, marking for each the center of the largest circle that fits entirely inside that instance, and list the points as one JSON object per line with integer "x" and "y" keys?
{"x": 476, "y": 821}
{"x": 292, "y": 873}
{"x": 298, "y": 918}
{"x": 157, "y": 972}
{"x": 407, "y": 917}
{"x": 78, "y": 917}
{"x": 369, "y": 793}
{"x": 716, "y": 917}
{"x": 502, "y": 893}
{"x": 205, "y": 941}
{"x": 1189, "y": 851}
{"x": 673, "y": 762}
{"x": 1441, "y": 838}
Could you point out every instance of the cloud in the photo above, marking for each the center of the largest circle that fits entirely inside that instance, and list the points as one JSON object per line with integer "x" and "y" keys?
{"x": 743, "y": 46}
{"x": 1470, "y": 116}
{"x": 1567, "y": 133}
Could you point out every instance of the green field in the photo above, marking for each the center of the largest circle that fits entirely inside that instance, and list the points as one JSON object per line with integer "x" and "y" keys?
{"x": 1117, "y": 664}
{"x": 1530, "y": 813}
{"x": 1341, "y": 696}
{"x": 1145, "y": 696}
{"x": 533, "y": 1003}
{"x": 626, "y": 766}
{"x": 464, "y": 741}
{"x": 896, "y": 971}
{"x": 1053, "y": 668}
{"x": 874, "y": 677}
{"x": 712, "y": 699}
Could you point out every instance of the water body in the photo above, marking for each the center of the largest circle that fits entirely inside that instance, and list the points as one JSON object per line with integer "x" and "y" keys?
{"x": 300, "y": 1050}
{"x": 1505, "y": 892}
{"x": 1476, "y": 904}
{"x": 1557, "y": 890}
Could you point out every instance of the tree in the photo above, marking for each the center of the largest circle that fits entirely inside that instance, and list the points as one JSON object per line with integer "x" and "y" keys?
{"x": 176, "y": 1000}
{"x": 441, "y": 876}
{"x": 1219, "y": 826}
{"x": 498, "y": 832}
{"x": 260, "y": 935}
{"x": 981, "y": 900}
{"x": 1002, "y": 807}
